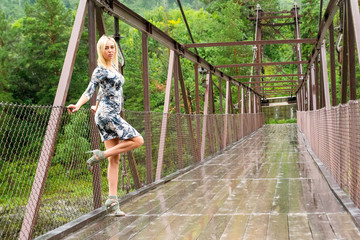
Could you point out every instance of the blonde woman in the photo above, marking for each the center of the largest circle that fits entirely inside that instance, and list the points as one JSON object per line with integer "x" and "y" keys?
{"x": 117, "y": 135}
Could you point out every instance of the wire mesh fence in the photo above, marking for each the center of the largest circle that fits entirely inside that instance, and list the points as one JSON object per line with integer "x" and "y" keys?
{"x": 334, "y": 136}
{"x": 68, "y": 192}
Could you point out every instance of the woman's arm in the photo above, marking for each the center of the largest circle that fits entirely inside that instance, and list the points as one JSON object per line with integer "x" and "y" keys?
{"x": 73, "y": 108}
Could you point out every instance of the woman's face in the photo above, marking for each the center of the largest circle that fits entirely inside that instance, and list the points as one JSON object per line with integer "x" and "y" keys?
{"x": 109, "y": 50}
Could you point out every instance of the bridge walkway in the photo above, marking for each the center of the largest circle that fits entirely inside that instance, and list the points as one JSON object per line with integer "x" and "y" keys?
{"x": 264, "y": 187}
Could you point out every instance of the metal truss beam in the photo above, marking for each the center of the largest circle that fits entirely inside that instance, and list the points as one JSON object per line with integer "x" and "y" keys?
{"x": 244, "y": 43}
{"x": 259, "y": 64}
{"x": 327, "y": 20}
{"x": 274, "y": 75}
{"x": 135, "y": 20}
{"x": 272, "y": 17}
{"x": 266, "y": 82}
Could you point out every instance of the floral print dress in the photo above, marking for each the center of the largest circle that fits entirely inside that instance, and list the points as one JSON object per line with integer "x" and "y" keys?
{"x": 107, "y": 116}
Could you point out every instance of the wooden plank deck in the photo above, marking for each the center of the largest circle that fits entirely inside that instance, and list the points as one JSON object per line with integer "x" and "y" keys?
{"x": 266, "y": 187}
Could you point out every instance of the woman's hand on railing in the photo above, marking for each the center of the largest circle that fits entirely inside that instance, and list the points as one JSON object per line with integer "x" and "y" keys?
{"x": 73, "y": 108}
{"x": 93, "y": 108}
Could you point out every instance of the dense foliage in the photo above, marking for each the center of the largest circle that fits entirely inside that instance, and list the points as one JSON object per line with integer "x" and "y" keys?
{"x": 34, "y": 35}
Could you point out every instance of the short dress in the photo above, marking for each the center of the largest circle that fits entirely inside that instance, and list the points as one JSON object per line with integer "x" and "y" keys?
{"x": 107, "y": 116}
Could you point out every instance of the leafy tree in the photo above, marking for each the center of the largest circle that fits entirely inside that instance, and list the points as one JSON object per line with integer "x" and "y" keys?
{"x": 45, "y": 31}
{"x": 6, "y": 40}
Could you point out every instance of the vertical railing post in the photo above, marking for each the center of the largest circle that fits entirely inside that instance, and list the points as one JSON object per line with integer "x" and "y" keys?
{"x": 345, "y": 54}
{"x": 351, "y": 42}
{"x": 297, "y": 36}
{"x": 313, "y": 88}
{"x": 165, "y": 117}
{"x": 242, "y": 112}
{"x": 227, "y": 96}
{"x": 32, "y": 208}
{"x": 354, "y": 8}
{"x": 325, "y": 75}
{"x": 177, "y": 110}
{"x": 255, "y": 105}
{"x": 187, "y": 112}
{"x": 221, "y": 113}
{"x": 147, "y": 117}
{"x": 242, "y": 101}
{"x": 238, "y": 123}
{"x": 95, "y": 139}
{"x": 204, "y": 126}
{"x": 317, "y": 83}
{"x": 197, "y": 111}
{"x": 249, "y": 100}
{"x": 332, "y": 65}
{"x": 308, "y": 97}
{"x": 211, "y": 112}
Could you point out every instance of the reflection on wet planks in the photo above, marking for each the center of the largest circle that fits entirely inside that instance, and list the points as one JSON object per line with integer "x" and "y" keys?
{"x": 265, "y": 187}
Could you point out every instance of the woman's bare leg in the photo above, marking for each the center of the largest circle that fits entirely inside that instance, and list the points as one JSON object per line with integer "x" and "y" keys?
{"x": 124, "y": 146}
{"x": 114, "y": 147}
{"x": 113, "y": 167}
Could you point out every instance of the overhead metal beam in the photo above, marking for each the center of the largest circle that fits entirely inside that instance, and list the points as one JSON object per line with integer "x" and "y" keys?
{"x": 279, "y": 86}
{"x": 259, "y": 64}
{"x": 271, "y": 17}
{"x": 135, "y": 20}
{"x": 276, "y": 24}
{"x": 274, "y": 75}
{"x": 244, "y": 43}
{"x": 265, "y": 82}
{"x": 327, "y": 20}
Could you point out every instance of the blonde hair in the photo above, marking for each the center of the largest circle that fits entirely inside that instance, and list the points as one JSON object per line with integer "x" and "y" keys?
{"x": 100, "y": 50}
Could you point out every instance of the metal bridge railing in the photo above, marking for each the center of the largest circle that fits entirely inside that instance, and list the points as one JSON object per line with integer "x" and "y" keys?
{"x": 334, "y": 136}
{"x": 68, "y": 192}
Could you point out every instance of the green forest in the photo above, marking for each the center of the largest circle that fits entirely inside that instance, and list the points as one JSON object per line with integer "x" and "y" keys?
{"x": 34, "y": 36}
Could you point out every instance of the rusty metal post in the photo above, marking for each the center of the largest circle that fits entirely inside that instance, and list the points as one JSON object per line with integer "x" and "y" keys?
{"x": 352, "y": 64}
{"x": 221, "y": 112}
{"x": 211, "y": 111}
{"x": 238, "y": 123}
{"x": 297, "y": 36}
{"x": 100, "y": 25}
{"x": 95, "y": 139}
{"x": 204, "y": 126}
{"x": 317, "y": 86}
{"x": 308, "y": 84}
{"x": 325, "y": 75}
{"x": 47, "y": 150}
{"x": 249, "y": 100}
{"x": 187, "y": 111}
{"x": 165, "y": 117}
{"x": 177, "y": 110}
{"x": 313, "y": 88}
{"x": 242, "y": 101}
{"x": 147, "y": 116}
{"x": 354, "y": 8}
{"x": 332, "y": 65}
{"x": 226, "y": 114}
{"x": 255, "y": 105}
{"x": 345, "y": 58}
{"x": 130, "y": 155}
{"x": 197, "y": 111}
{"x": 258, "y": 12}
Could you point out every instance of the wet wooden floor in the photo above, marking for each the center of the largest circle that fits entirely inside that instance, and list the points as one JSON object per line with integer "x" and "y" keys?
{"x": 266, "y": 187}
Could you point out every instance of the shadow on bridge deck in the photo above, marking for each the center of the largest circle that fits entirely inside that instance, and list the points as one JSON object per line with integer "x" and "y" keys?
{"x": 265, "y": 187}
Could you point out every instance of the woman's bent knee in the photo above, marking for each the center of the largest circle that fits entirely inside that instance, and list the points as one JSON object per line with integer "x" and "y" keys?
{"x": 139, "y": 141}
